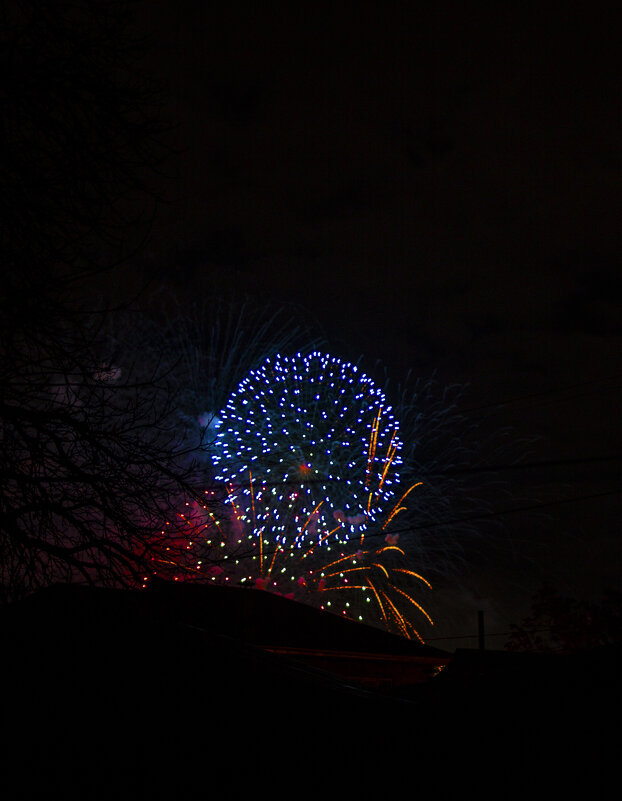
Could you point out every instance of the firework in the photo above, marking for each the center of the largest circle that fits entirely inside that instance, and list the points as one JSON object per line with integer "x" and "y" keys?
{"x": 373, "y": 584}
{"x": 309, "y": 452}
{"x": 309, "y": 449}
{"x": 306, "y": 456}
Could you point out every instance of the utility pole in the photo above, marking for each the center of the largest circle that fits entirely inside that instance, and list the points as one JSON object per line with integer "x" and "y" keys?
{"x": 481, "y": 637}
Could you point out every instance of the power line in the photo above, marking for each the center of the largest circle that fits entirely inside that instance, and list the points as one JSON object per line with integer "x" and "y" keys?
{"x": 489, "y": 634}
{"x": 501, "y": 468}
{"x": 550, "y": 392}
{"x": 498, "y": 513}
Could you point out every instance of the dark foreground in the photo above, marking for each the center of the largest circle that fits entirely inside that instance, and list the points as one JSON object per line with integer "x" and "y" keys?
{"x": 110, "y": 694}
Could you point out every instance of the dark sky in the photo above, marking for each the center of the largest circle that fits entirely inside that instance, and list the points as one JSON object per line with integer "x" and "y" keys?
{"x": 442, "y": 188}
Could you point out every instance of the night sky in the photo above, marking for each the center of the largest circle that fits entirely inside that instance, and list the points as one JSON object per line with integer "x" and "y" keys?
{"x": 441, "y": 188}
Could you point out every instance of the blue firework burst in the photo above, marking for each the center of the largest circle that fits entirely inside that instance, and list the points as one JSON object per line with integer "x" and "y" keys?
{"x": 309, "y": 449}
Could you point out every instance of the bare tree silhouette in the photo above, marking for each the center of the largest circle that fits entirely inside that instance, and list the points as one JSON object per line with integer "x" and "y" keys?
{"x": 91, "y": 471}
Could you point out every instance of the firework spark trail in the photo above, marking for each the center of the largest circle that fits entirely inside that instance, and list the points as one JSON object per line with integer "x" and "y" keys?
{"x": 384, "y": 616}
{"x": 383, "y": 569}
{"x": 419, "y": 607}
{"x": 412, "y": 573}
{"x": 373, "y": 439}
{"x": 396, "y": 613}
{"x": 391, "y": 451}
{"x": 397, "y": 508}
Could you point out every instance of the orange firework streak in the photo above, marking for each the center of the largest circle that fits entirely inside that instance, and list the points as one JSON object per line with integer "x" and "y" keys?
{"x": 278, "y": 548}
{"x": 325, "y": 537}
{"x": 384, "y": 616}
{"x": 412, "y": 573}
{"x": 391, "y": 451}
{"x": 420, "y": 608}
{"x": 232, "y": 502}
{"x": 388, "y": 460}
{"x": 373, "y": 439}
{"x": 345, "y": 587}
{"x": 397, "y": 510}
{"x": 391, "y": 548}
{"x": 398, "y": 616}
{"x": 370, "y": 456}
{"x": 393, "y": 514}
{"x": 381, "y": 567}
{"x": 337, "y": 561}
{"x": 346, "y": 570}
{"x": 311, "y": 515}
